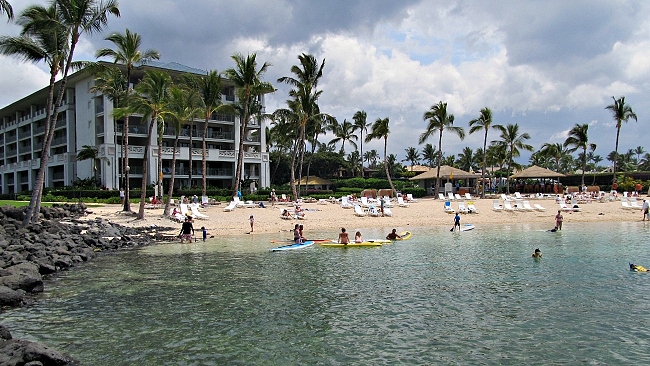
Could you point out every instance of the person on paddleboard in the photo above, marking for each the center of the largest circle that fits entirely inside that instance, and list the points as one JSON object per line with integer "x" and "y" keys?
{"x": 296, "y": 234}
{"x": 393, "y": 235}
{"x": 358, "y": 238}
{"x": 343, "y": 237}
{"x": 457, "y": 221}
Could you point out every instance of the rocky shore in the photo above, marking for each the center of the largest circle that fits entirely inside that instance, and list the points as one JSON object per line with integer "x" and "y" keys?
{"x": 62, "y": 239}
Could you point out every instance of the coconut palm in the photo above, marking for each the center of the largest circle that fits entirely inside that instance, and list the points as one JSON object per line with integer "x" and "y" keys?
{"x": 483, "y": 122}
{"x": 73, "y": 18}
{"x": 152, "y": 101}
{"x": 88, "y": 152}
{"x": 466, "y": 159}
{"x": 248, "y": 79}
{"x": 343, "y": 132}
{"x": 578, "y": 139}
{"x": 354, "y": 160}
{"x": 381, "y": 130}
{"x": 512, "y": 140}
{"x": 439, "y": 121}
{"x": 638, "y": 151}
{"x": 371, "y": 157}
{"x": 621, "y": 112}
{"x": 127, "y": 52}
{"x": 7, "y": 9}
{"x": 412, "y": 156}
{"x": 555, "y": 152}
{"x": 184, "y": 106}
{"x": 361, "y": 124}
{"x": 305, "y": 102}
{"x": 429, "y": 154}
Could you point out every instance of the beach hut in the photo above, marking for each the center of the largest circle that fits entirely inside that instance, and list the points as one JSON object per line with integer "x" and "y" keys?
{"x": 447, "y": 174}
{"x": 537, "y": 172}
{"x": 315, "y": 182}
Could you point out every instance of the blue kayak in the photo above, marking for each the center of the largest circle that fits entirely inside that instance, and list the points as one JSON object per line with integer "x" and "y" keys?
{"x": 293, "y": 246}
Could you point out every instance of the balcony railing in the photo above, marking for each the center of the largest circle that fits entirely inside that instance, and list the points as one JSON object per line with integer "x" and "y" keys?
{"x": 58, "y": 176}
{"x": 24, "y": 134}
{"x": 39, "y": 130}
{"x": 59, "y": 141}
{"x": 24, "y": 149}
{"x": 222, "y": 172}
{"x": 12, "y": 152}
{"x": 133, "y": 129}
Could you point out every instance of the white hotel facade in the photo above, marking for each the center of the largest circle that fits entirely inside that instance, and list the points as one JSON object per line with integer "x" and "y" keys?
{"x": 86, "y": 118}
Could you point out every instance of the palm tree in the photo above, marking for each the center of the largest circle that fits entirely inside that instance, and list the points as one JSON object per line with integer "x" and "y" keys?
{"x": 128, "y": 53}
{"x": 439, "y": 121}
{"x": 483, "y": 122}
{"x": 555, "y": 152}
{"x": 305, "y": 102}
{"x": 466, "y": 159}
{"x": 412, "y": 156}
{"x": 6, "y": 7}
{"x": 621, "y": 112}
{"x": 429, "y": 154}
{"x": 88, "y": 152}
{"x": 379, "y": 130}
{"x": 361, "y": 125}
{"x": 371, "y": 157}
{"x": 184, "y": 106}
{"x": 70, "y": 19}
{"x": 343, "y": 132}
{"x": 512, "y": 140}
{"x": 152, "y": 101}
{"x": 354, "y": 159}
{"x": 247, "y": 78}
{"x": 578, "y": 139}
{"x": 639, "y": 150}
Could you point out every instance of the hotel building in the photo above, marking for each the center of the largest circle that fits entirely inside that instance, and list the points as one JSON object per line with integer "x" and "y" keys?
{"x": 86, "y": 118}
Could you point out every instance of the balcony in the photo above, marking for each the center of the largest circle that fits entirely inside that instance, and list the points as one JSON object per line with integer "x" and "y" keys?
{"x": 133, "y": 129}
{"x": 62, "y": 140}
{"x": 39, "y": 130}
{"x": 58, "y": 176}
{"x": 12, "y": 152}
{"x": 24, "y": 149}
{"x": 24, "y": 134}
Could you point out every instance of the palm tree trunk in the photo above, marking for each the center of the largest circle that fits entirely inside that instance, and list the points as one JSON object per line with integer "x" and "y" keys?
{"x": 584, "y": 166}
{"x": 125, "y": 147}
{"x": 484, "y": 165}
{"x": 292, "y": 179}
{"x": 170, "y": 191}
{"x": 204, "y": 160}
{"x": 302, "y": 158}
{"x": 438, "y": 163}
{"x": 390, "y": 181}
{"x": 618, "y": 131}
{"x": 145, "y": 167}
{"x": 240, "y": 155}
{"x": 161, "y": 128}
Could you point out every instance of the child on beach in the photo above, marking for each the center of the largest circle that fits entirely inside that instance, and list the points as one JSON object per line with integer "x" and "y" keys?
{"x": 252, "y": 221}
{"x": 358, "y": 238}
{"x": 205, "y": 232}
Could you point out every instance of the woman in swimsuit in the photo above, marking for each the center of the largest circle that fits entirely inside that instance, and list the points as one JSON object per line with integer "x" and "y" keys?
{"x": 358, "y": 238}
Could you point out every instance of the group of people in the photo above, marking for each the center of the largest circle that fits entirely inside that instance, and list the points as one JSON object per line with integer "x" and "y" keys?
{"x": 187, "y": 231}
{"x": 358, "y": 238}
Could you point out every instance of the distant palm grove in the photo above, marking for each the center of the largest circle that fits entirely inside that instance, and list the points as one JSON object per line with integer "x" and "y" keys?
{"x": 303, "y": 139}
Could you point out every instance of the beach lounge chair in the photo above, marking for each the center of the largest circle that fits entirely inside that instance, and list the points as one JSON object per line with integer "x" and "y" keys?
{"x": 345, "y": 203}
{"x": 285, "y": 214}
{"x": 564, "y": 207}
{"x": 401, "y": 203}
{"x": 364, "y": 201}
{"x": 505, "y": 198}
{"x": 462, "y": 208}
{"x": 496, "y": 206}
{"x": 231, "y": 207}
{"x": 358, "y": 211}
{"x": 194, "y": 207}
{"x": 518, "y": 195}
{"x": 322, "y": 201}
{"x": 205, "y": 201}
{"x": 441, "y": 196}
{"x": 526, "y": 206}
{"x": 448, "y": 208}
{"x": 634, "y": 204}
{"x": 372, "y": 211}
{"x": 409, "y": 198}
{"x": 458, "y": 197}
{"x": 471, "y": 208}
{"x": 625, "y": 204}
{"x": 184, "y": 210}
{"x": 507, "y": 206}
{"x": 539, "y": 207}
{"x": 387, "y": 202}
{"x": 388, "y": 212}
{"x": 468, "y": 196}
{"x": 451, "y": 196}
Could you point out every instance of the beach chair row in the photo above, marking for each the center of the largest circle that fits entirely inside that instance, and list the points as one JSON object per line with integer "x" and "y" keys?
{"x": 519, "y": 205}
{"x": 461, "y": 208}
{"x": 455, "y": 197}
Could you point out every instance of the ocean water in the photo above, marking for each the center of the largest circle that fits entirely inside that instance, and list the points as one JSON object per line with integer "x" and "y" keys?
{"x": 475, "y": 297}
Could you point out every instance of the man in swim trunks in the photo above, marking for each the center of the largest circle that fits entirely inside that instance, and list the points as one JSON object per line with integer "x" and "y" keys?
{"x": 296, "y": 234}
{"x": 393, "y": 235}
{"x": 187, "y": 230}
{"x": 457, "y": 221}
{"x": 558, "y": 220}
{"x": 537, "y": 254}
{"x": 343, "y": 237}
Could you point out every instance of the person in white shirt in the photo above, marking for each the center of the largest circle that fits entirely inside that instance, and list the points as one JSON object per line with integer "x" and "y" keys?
{"x": 646, "y": 206}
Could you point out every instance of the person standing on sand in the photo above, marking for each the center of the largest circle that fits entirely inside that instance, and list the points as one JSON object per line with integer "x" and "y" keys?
{"x": 205, "y": 232}
{"x": 252, "y": 221}
{"x": 558, "y": 220}
{"x": 186, "y": 229}
{"x": 273, "y": 197}
{"x": 645, "y": 207}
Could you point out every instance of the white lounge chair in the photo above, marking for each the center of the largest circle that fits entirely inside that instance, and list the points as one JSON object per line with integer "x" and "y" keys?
{"x": 409, "y": 198}
{"x": 345, "y": 203}
{"x": 194, "y": 207}
{"x": 458, "y": 197}
{"x": 526, "y": 206}
{"x": 539, "y": 207}
{"x": 518, "y": 195}
{"x": 634, "y": 204}
{"x": 388, "y": 212}
{"x": 358, "y": 211}
{"x": 401, "y": 203}
{"x": 451, "y": 196}
{"x": 564, "y": 207}
{"x": 471, "y": 208}
{"x": 505, "y": 198}
{"x": 247, "y": 204}
{"x": 496, "y": 206}
{"x": 184, "y": 209}
{"x": 468, "y": 196}
{"x": 507, "y": 206}
{"x": 387, "y": 202}
{"x": 441, "y": 196}
{"x": 372, "y": 211}
{"x": 364, "y": 201}
{"x": 462, "y": 208}
{"x": 205, "y": 200}
{"x": 231, "y": 207}
{"x": 448, "y": 208}
{"x": 322, "y": 201}
{"x": 625, "y": 204}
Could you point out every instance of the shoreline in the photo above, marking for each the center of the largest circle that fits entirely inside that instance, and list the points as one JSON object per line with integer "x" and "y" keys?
{"x": 323, "y": 217}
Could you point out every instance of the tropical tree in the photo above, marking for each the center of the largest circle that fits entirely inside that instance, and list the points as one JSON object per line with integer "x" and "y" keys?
{"x": 621, "y": 112}
{"x": 184, "y": 106}
{"x": 638, "y": 151}
{"x": 304, "y": 104}
{"x": 72, "y": 18}
{"x": 247, "y": 78}
{"x": 483, "y": 122}
{"x": 555, "y": 152}
{"x": 343, "y": 132}
{"x": 439, "y": 121}
{"x": 381, "y": 130}
{"x": 354, "y": 160}
{"x": 578, "y": 139}
{"x": 371, "y": 157}
{"x": 151, "y": 99}
{"x": 466, "y": 159}
{"x": 429, "y": 154}
{"x": 412, "y": 156}
{"x": 7, "y": 9}
{"x": 91, "y": 153}
{"x": 512, "y": 140}
{"x": 127, "y": 52}
{"x": 361, "y": 124}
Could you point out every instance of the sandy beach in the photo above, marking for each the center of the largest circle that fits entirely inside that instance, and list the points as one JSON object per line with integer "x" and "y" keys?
{"x": 330, "y": 216}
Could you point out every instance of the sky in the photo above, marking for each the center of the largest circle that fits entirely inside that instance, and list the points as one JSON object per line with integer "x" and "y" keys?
{"x": 545, "y": 65}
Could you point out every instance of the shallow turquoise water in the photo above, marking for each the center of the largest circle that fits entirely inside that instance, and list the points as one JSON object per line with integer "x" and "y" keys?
{"x": 438, "y": 298}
